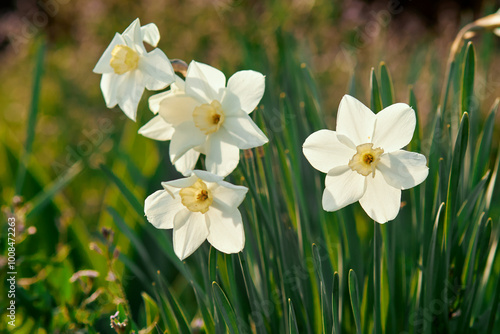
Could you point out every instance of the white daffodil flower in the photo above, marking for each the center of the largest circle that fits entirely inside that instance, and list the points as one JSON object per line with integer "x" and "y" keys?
{"x": 363, "y": 158}
{"x": 198, "y": 208}
{"x": 203, "y": 115}
{"x": 127, "y": 68}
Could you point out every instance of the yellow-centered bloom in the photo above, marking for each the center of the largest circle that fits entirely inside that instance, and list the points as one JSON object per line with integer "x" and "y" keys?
{"x": 123, "y": 59}
{"x": 127, "y": 68}
{"x": 203, "y": 115}
{"x": 199, "y": 207}
{"x": 196, "y": 198}
{"x": 366, "y": 159}
{"x": 363, "y": 158}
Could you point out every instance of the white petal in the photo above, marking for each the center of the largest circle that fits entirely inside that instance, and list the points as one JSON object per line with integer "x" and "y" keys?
{"x": 244, "y": 132}
{"x": 133, "y": 36}
{"x": 343, "y": 186}
{"x": 177, "y": 108}
{"x": 381, "y": 201}
{"x": 190, "y": 231}
{"x": 109, "y": 88}
{"x": 160, "y": 209}
{"x": 403, "y": 169}
{"x": 226, "y": 232}
{"x": 324, "y": 151}
{"x": 185, "y": 137}
{"x": 227, "y": 196}
{"x": 187, "y": 161}
{"x": 207, "y": 176}
{"x": 158, "y": 70}
{"x": 249, "y": 87}
{"x": 130, "y": 92}
{"x": 103, "y": 65}
{"x": 173, "y": 187}
{"x": 222, "y": 156}
{"x": 355, "y": 120}
{"x": 150, "y": 34}
{"x": 394, "y": 127}
{"x": 204, "y": 82}
{"x": 155, "y": 100}
{"x": 157, "y": 129}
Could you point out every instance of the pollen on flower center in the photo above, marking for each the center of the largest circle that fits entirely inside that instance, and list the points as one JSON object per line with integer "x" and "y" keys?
{"x": 366, "y": 159}
{"x": 123, "y": 59}
{"x": 208, "y": 117}
{"x": 197, "y": 198}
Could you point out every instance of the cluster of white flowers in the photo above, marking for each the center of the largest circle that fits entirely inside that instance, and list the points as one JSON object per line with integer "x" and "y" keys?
{"x": 199, "y": 115}
{"x": 202, "y": 114}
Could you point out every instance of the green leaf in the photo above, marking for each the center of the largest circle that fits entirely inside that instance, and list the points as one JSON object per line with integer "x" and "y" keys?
{"x": 354, "y": 294}
{"x": 225, "y": 308}
{"x": 335, "y": 303}
{"x": 467, "y": 97}
{"x": 32, "y": 118}
{"x": 484, "y": 145}
{"x": 150, "y": 309}
{"x": 375, "y": 102}
{"x": 292, "y": 322}
{"x": 386, "y": 87}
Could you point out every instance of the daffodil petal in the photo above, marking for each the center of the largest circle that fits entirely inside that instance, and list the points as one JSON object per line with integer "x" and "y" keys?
{"x": 204, "y": 82}
{"x": 160, "y": 209}
{"x": 177, "y": 108}
{"x": 130, "y": 92}
{"x": 394, "y": 127}
{"x": 185, "y": 137}
{"x": 150, "y": 34}
{"x": 244, "y": 132}
{"x": 226, "y": 232}
{"x": 103, "y": 65}
{"x": 403, "y": 169}
{"x": 222, "y": 156}
{"x": 207, "y": 176}
{"x": 173, "y": 187}
{"x": 133, "y": 36}
{"x": 227, "y": 196}
{"x": 158, "y": 70}
{"x": 324, "y": 150}
{"x": 157, "y": 129}
{"x": 249, "y": 87}
{"x": 109, "y": 87}
{"x": 380, "y": 201}
{"x": 155, "y": 100}
{"x": 355, "y": 120}
{"x": 190, "y": 231}
{"x": 343, "y": 186}
{"x": 187, "y": 161}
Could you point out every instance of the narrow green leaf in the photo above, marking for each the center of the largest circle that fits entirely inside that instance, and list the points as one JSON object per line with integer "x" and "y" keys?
{"x": 377, "y": 262}
{"x": 32, "y": 118}
{"x": 468, "y": 79}
{"x": 354, "y": 294}
{"x": 335, "y": 303}
{"x": 129, "y": 196}
{"x": 292, "y": 321}
{"x": 225, "y": 308}
{"x": 386, "y": 87}
{"x": 375, "y": 102}
{"x": 483, "y": 149}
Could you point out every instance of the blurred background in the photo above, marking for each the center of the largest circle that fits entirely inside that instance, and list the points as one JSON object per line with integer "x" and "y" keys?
{"x": 338, "y": 41}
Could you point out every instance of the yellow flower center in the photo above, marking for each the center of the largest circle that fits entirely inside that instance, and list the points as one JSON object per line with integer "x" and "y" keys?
{"x": 123, "y": 59}
{"x": 196, "y": 198}
{"x": 366, "y": 159}
{"x": 208, "y": 117}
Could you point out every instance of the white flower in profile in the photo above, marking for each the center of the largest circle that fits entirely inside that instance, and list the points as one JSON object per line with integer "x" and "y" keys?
{"x": 202, "y": 115}
{"x": 198, "y": 208}
{"x": 363, "y": 158}
{"x": 127, "y": 68}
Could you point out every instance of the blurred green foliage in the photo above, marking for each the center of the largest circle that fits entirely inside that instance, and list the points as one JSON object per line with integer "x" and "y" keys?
{"x": 85, "y": 251}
